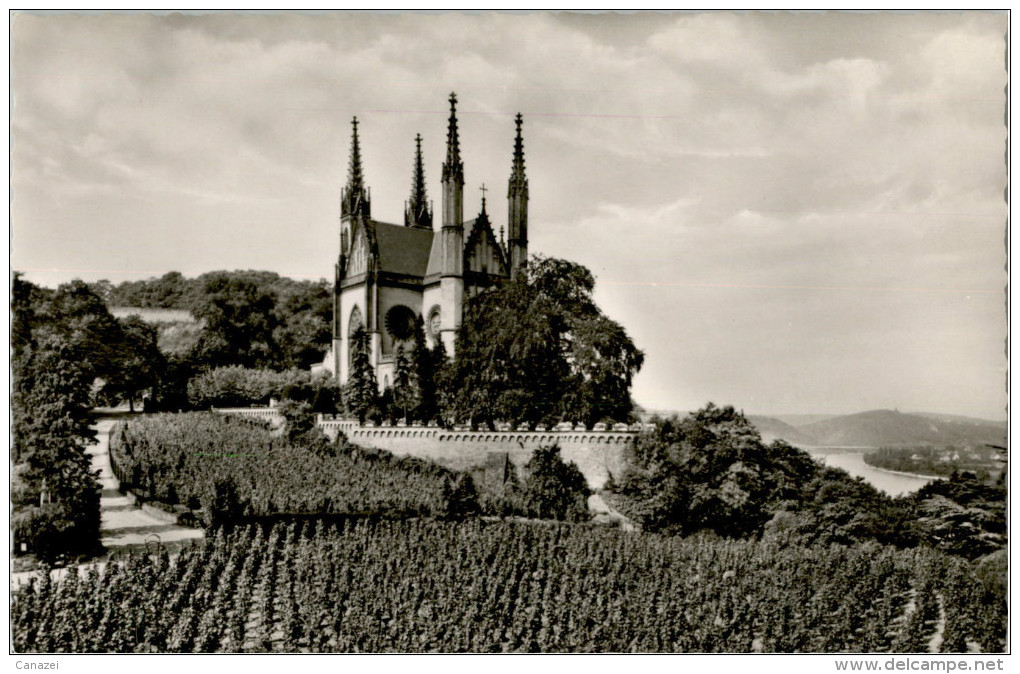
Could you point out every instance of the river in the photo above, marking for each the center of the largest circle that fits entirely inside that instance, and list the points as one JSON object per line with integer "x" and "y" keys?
{"x": 851, "y": 459}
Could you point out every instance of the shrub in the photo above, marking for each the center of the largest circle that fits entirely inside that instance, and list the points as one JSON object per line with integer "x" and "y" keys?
{"x": 48, "y": 531}
{"x": 236, "y": 386}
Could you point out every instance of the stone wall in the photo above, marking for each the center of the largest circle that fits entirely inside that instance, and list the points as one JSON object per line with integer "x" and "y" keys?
{"x": 270, "y": 414}
{"x": 597, "y": 454}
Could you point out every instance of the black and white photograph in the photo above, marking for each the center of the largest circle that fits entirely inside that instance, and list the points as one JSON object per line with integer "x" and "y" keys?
{"x": 509, "y": 332}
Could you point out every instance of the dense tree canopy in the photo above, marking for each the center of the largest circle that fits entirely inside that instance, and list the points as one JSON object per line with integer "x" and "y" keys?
{"x": 297, "y": 319}
{"x": 58, "y": 351}
{"x": 711, "y": 471}
{"x": 120, "y": 356}
{"x": 303, "y": 315}
{"x": 538, "y": 348}
{"x": 239, "y": 322}
{"x": 141, "y": 365}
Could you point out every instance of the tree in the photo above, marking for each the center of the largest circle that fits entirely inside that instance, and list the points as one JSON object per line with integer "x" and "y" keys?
{"x": 226, "y": 506}
{"x": 166, "y": 292}
{"x": 239, "y": 323}
{"x": 123, "y": 354}
{"x": 362, "y": 389}
{"x": 711, "y": 471}
{"x": 140, "y": 363}
{"x": 423, "y": 372}
{"x": 50, "y": 397}
{"x": 103, "y": 290}
{"x": 171, "y": 390}
{"x": 553, "y": 488}
{"x": 326, "y": 399}
{"x": 539, "y": 348}
{"x": 459, "y": 496}
{"x": 80, "y": 319}
{"x": 28, "y": 301}
{"x": 63, "y": 341}
{"x": 58, "y": 493}
{"x": 405, "y": 389}
{"x": 442, "y": 372}
{"x": 304, "y": 317}
{"x": 300, "y": 427}
{"x": 961, "y": 515}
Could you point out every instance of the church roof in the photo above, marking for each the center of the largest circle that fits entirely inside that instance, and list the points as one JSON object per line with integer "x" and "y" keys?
{"x": 469, "y": 227}
{"x": 435, "y": 257}
{"x": 404, "y": 250}
{"x": 435, "y": 265}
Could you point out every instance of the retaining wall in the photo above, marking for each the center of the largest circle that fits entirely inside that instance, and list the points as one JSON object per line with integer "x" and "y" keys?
{"x": 597, "y": 454}
{"x": 270, "y": 414}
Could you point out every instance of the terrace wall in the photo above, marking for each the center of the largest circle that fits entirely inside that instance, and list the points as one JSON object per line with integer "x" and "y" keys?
{"x": 596, "y": 453}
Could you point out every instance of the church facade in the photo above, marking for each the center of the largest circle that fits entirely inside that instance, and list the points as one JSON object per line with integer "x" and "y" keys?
{"x": 389, "y": 274}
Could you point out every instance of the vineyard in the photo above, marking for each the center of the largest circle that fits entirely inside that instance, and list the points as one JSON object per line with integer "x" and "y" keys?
{"x": 181, "y": 458}
{"x": 478, "y": 586}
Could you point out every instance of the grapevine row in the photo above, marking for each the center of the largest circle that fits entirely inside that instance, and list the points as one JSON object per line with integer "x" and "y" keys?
{"x": 481, "y": 586}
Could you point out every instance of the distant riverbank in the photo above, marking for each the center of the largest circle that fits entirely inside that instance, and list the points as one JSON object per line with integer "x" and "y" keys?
{"x": 851, "y": 459}
{"x": 922, "y": 476}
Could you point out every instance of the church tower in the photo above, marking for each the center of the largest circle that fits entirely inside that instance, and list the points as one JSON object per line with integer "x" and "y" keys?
{"x": 417, "y": 211}
{"x": 355, "y": 215}
{"x": 355, "y": 202}
{"x": 452, "y": 233}
{"x": 517, "y": 195}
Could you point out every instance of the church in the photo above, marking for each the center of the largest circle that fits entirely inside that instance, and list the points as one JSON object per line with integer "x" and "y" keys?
{"x": 389, "y": 274}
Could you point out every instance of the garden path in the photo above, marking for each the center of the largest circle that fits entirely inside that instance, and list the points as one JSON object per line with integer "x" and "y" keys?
{"x": 123, "y": 524}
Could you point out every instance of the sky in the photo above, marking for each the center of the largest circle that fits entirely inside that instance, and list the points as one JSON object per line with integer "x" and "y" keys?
{"x": 789, "y": 212}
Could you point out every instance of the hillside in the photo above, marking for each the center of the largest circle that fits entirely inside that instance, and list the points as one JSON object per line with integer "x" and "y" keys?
{"x": 879, "y": 428}
{"x": 953, "y": 418}
{"x": 798, "y": 420}
{"x": 775, "y": 429}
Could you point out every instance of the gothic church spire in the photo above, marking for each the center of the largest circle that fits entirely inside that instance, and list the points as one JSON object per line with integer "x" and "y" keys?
{"x": 453, "y": 169}
{"x": 517, "y": 196}
{"x": 355, "y": 197}
{"x": 418, "y": 213}
{"x": 518, "y": 181}
{"x": 451, "y": 235}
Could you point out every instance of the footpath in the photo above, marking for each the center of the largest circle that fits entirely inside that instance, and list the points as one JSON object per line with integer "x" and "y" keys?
{"x": 123, "y": 524}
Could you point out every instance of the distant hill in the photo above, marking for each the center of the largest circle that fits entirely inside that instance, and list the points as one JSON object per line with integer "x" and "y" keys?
{"x": 879, "y": 428}
{"x": 798, "y": 420}
{"x": 772, "y": 428}
{"x": 953, "y": 418}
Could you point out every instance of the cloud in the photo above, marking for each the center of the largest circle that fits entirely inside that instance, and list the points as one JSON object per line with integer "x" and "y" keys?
{"x": 735, "y": 160}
